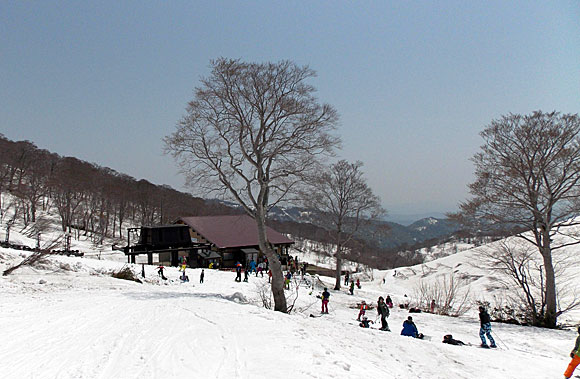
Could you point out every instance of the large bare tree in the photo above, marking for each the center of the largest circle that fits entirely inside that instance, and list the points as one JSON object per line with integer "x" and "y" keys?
{"x": 251, "y": 133}
{"x": 343, "y": 203}
{"x": 527, "y": 174}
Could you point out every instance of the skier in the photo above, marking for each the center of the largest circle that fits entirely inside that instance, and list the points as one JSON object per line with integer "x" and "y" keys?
{"x": 365, "y": 323}
{"x": 346, "y": 277}
{"x": 201, "y": 276}
{"x": 351, "y": 289}
{"x": 325, "y": 298}
{"x": 383, "y": 311}
{"x": 575, "y": 355}
{"x": 363, "y": 308}
{"x": 389, "y": 301}
{"x": 485, "y": 329}
{"x": 410, "y": 329}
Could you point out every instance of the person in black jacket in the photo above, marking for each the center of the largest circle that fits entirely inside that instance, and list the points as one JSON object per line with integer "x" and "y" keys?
{"x": 485, "y": 329}
{"x": 383, "y": 311}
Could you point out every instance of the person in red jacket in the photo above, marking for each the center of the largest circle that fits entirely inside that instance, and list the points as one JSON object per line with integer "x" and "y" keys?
{"x": 363, "y": 308}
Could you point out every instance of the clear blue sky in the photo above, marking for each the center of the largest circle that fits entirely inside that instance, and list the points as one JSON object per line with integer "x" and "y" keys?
{"x": 414, "y": 82}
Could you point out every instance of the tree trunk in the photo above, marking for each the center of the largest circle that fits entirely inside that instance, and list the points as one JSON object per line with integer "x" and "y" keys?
{"x": 274, "y": 264}
{"x": 550, "y": 317}
{"x": 338, "y": 266}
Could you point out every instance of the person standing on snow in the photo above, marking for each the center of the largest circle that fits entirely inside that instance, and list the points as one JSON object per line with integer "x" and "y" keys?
{"x": 358, "y": 284}
{"x": 575, "y": 355}
{"x": 351, "y": 289}
{"x": 485, "y": 329}
{"x": 201, "y": 276}
{"x": 363, "y": 308}
{"x": 346, "y": 276}
{"x": 325, "y": 299}
{"x": 383, "y": 311}
{"x": 238, "y": 272}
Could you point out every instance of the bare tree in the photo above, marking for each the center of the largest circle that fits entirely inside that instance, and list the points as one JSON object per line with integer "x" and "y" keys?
{"x": 251, "y": 133}
{"x": 527, "y": 174}
{"x": 343, "y": 203}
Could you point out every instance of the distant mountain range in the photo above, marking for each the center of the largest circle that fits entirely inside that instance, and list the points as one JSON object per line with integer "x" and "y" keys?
{"x": 399, "y": 235}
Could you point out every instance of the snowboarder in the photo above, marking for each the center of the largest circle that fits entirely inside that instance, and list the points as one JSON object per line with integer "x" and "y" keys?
{"x": 351, "y": 289}
{"x": 575, "y": 355}
{"x": 383, "y": 311}
{"x": 346, "y": 277}
{"x": 485, "y": 329}
{"x": 201, "y": 276}
{"x": 325, "y": 298}
{"x": 389, "y": 301}
{"x": 410, "y": 329}
{"x": 365, "y": 323}
{"x": 358, "y": 284}
{"x": 363, "y": 308}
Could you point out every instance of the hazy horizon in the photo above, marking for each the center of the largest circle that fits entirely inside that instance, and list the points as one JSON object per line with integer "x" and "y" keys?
{"x": 414, "y": 83}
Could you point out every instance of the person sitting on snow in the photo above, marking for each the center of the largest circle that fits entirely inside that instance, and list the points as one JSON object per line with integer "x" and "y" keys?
{"x": 410, "y": 329}
{"x": 389, "y": 301}
{"x": 365, "y": 323}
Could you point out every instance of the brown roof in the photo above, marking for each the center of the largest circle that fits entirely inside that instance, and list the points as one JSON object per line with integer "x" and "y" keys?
{"x": 232, "y": 231}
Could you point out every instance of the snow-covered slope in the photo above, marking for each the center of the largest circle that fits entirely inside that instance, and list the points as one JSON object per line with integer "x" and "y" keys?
{"x": 67, "y": 318}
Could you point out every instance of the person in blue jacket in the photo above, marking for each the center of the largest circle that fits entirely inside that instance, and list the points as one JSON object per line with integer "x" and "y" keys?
{"x": 410, "y": 329}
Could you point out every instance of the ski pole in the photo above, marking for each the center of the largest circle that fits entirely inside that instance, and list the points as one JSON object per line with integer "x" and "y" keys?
{"x": 500, "y": 340}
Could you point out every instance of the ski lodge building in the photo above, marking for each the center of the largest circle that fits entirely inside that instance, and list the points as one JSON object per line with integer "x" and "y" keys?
{"x": 221, "y": 240}
{"x": 231, "y": 239}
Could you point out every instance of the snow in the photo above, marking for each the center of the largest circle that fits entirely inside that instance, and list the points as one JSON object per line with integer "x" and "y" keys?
{"x": 82, "y": 323}
{"x": 68, "y": 318}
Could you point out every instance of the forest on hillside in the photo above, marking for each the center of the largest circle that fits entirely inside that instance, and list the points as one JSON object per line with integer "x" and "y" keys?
{"x": 100, "y": 202}
{"x": 88, "y": 198}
